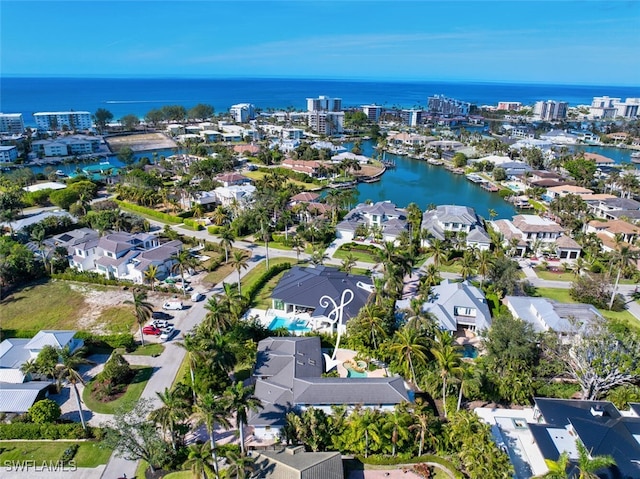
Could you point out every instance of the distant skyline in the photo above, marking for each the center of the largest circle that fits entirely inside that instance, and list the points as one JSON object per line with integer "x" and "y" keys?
{"x": 573, "y": 42}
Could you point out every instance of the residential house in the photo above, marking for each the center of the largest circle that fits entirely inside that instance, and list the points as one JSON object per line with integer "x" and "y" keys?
{"x": 383, "y": 220}
{"x": 125, "y": 256}
{"x": 17, "y": 398}
{"x": 296, "y": 463}
{"x": 461, "y": 221}
{"x": 303, "y": 290}
{"x": 409, "y": 139}
{"x": 230, "y": 179}
{"x": 14, "y": 352}
{"x": 456, "y": 306}
{"x": 614, "y": 233}
{"x": 548, "y": 315}
{"x": 511, "y": 167}
{"x": 535, "y": 233}
{"x": 288, "y": 375}
{"x": 599, "y": 159}
{"x": 615, "y": 208}
{"x": 561, "y": 191}
{"x": 599, "y": 425}
{"x": 19, "y": 225}
{"x": 559, "y": 137}
{"x": 301, "y": 166}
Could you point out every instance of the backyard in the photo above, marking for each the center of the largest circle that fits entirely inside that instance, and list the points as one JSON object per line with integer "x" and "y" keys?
{"x": 90, "y": 454}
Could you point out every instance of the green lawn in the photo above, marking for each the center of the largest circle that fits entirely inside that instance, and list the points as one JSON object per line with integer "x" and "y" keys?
{"x": 90, "y": 454}
{"x": 275, "y": 245}
{"x": 561, "y": 295}
{"x": 624, "y": 317}
{"x": 219, "y": 274}
{"x": 551, "y": 276}
{"x": 183, "y": 372}
{"x": 128, "y": 399}
{"x": 263, "y": 298}
{"x": 180, "y": 475}
{"x": 257, "y": 175}
{"x": 150, "y": 349}
{"x": 118, "y": 319}
{"x": 359, "y": 255}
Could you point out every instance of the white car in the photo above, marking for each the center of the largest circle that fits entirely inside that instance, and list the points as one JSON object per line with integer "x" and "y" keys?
{"x": 167, "y": 333}
{"x": 195, "y": 297}
{"x": 173, "y": 305}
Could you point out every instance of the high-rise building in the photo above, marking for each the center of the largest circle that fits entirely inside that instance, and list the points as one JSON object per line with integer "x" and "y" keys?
{"x": 630, "y": 108}
{"x": 550, "y": 110}
{"x": 243, "y": 112}
{"x": 58, "y": 120}
{"x": 324, "y": 103}
{"x": 603, "y": 107}
{"x": 11, "y": 123}
{"x": 373, "y": 112}
{"x": 411, "y": 117}
{"x": 442, "y": 105}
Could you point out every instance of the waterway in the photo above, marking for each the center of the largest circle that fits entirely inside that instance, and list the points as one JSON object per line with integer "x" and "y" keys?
{"x": 416, "y": 181}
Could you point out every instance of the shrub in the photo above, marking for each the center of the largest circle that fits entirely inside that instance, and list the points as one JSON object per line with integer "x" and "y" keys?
{"x": 214, "y": 230}
{"x": 69, "y": 453}
{"x": 116, "y": 370}
{"x": 110, "y": 341}
{"x": 167, "y": 218}
{"x": 45, "y": 411}
{"x": 86, "y": 277}
{"x": 193, "y": 224}
{"x": 252, "y": 290}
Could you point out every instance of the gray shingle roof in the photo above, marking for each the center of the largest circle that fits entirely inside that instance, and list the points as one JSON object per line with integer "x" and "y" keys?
{"x": 268, "y": 463}
{"x": 448, "y": 296}
{"x": 350, "y": 391}
{"x": 305, "y": 287}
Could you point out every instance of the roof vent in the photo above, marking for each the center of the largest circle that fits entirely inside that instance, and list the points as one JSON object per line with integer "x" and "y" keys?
{"x": 597, "y": 410}
{"x": 294, "y": 450}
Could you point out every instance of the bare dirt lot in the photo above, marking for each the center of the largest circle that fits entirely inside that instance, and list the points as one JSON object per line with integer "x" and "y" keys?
{"x": 140, "y": 142}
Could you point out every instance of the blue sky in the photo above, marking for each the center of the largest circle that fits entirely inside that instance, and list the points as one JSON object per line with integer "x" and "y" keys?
{"x": 576, "y": 42}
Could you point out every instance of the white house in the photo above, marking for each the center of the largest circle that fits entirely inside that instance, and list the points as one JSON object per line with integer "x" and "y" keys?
{"x": 382, "y": 218}
{"x": 452, "y": 219}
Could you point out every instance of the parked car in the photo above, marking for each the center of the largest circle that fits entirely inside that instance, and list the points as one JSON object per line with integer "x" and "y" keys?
{"x": 160, "y": 323}
{"x": 161, "y": 315}
{"x": 173, "y": 305}
{"x": 167, "y": 333}
{"x": 195, "y": 297}
{"x": 152, "y": 330}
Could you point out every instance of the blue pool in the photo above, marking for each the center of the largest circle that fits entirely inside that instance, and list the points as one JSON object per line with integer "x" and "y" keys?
{"x": 292, "y": 324}
{"x": 469, "y": 352}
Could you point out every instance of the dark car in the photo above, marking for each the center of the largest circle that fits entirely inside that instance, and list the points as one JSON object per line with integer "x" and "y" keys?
{"x": 152, "y": 330}
{"x": 161, "y": 315}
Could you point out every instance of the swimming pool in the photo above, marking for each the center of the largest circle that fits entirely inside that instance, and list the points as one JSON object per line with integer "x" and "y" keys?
{"x": 292, "y": 324}
{"x": 469, "y": 351}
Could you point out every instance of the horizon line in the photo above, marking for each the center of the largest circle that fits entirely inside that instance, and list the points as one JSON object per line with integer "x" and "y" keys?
{"x": 307, "y": 78}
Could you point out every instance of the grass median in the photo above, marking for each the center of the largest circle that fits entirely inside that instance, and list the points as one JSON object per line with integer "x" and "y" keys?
{"x": 125, "y": 401}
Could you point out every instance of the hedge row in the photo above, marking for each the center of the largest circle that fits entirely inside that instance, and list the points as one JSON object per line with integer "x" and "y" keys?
{"x": 113, "y": 341}
{"x": 86, "y": 277}
{"x": 193, "y": 224}
{"x": 32, "y": 432}
{"x": 252, "y": 290}
{"x": 167, "y": 218}
{"x": 214, "y": 230}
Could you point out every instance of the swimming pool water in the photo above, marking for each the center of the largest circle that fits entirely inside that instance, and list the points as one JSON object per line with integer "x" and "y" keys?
{"x": 290, "y": 324}
{"x": 469, "y": 351}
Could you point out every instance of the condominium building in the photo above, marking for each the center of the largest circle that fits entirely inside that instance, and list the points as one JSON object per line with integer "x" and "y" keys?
{"x": 8, "y": 154}
{"x": 243, "y": 112}
{"x": 448, "y": 106}
{"x": 630, "y": 108}
{"x": 603, "y": 107}
{"x": 509, "y": 105}
{"x": 373, "y": 112}
{"x": 412, "y": 117}
{"x": 324, "y": 103}
{"x": 58, "y": 120}
{"x": 11, "y": 123}
{"x": 550, "y": 110}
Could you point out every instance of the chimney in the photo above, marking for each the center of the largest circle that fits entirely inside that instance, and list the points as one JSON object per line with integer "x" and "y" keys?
{"x": 294, "y": 450}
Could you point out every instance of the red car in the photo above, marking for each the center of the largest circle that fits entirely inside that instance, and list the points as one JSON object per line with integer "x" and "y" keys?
{"x": 151, "y": 330}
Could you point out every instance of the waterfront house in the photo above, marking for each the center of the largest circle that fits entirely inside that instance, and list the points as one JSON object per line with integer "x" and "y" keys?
{"x": 18, "y": 225}
{"x": 537, "y": 234}
{"x": 561, "y": 191}
{"x": 511, "y": 167}
{"x": 559, "y": 137}
{"x": 125, "y": 256}
{"x": 383, "y": 220}
{"x": 230, "y": 179}
{"x": 301, "y": 166}
{"x": 614, "y": 234}
{"x": 599, "y": 159}
{"x": 457, "y": 220}
{"x": 456, "y": 306}
{"x": 288, "y": 377}
{"x": 301, "y": 290}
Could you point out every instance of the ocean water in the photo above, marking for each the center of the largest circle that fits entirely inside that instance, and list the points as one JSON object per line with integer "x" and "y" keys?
{"x": 123, "y": 96}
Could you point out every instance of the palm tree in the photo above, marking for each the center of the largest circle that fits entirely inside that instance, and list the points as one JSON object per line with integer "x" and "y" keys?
{"x": 557, "y": 469}
{"x": 348, "y": 262}
{"x": 226, "y": 241}
{"x": 199, "y": 461}
{"x": 240, "y": 465}
{"x": 448, "y": 359}
{"x": 141, "y": 309}
{"x": 395, "y": 426}
{"x": 151, "y": 276}
{"x": 588, "y": 465}
{"x": 38, "y": 236}
{"x": 467, "y": 264}
{"x": 297, "y": 243}
{"x": 209, "y": 410}
{"x": 483, "y": 264}
{"x": 411, "y": 347}
{"x": 624, "y": 256}
{"x": 365, "y": 423}
{"x": 174, "y": 410}
{"x": 68, "y": 369}
{"x": 371, "y": 317}
{"x": 232, "y": 301}
{"x": 217, "y": 316}
{"x": 239, "y": 261}
{"x": 318, "y": 257}
{"x": 183, "y": 261}
{"x": 192, "y": 346}
{"x": 241, "y": 400}
{"x": 438, "y": 251}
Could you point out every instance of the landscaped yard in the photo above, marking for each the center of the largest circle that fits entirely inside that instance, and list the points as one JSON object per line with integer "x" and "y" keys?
{"x": 219, "y": 274}
{"x": 90, "y": 454}
{"x": 252, "y": 276}
{"x": 150, "y": 349}
{"x": 61, "y": 304}
{"x": 131, "y": 395}
{"x": 257, "y": 175}
{"x": 263, "y": 298}
{"x": 359, "y": 255}
{"x": 559, "y": 276}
